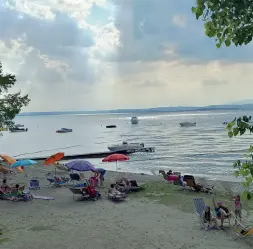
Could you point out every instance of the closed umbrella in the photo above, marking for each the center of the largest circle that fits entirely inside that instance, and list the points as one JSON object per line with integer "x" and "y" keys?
{"x": 116, "y": 158}
{"x": 80, "y": 165}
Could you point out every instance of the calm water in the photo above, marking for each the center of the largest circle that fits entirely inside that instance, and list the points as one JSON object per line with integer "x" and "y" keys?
{"x": 202, "y": 150}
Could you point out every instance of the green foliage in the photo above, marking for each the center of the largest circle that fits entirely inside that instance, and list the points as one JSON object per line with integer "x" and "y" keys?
{"x": 228, "y": 21}
{"x": 243, "y": 168}
{"x": 10, "y": 104}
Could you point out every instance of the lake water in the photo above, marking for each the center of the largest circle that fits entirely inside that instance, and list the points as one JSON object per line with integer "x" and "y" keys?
{"x": 202, "y": 150}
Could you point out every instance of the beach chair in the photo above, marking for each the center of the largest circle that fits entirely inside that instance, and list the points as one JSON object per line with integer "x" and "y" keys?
{"x": 244, "y": 233}
{"x": 199, "y": 206}
{"x": 76, "y": 191}
{"x": 34, "y": 184}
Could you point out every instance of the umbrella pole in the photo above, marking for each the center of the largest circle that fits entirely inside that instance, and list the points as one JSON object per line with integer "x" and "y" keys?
{"x": 116, "y": 169}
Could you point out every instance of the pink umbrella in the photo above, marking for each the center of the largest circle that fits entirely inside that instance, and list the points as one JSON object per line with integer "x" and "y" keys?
{"x": 116, "y": 158}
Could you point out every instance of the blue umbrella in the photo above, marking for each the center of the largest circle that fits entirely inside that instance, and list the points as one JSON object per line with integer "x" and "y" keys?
{"x": 80, "y": 165}
{"x": 23, "y": 163}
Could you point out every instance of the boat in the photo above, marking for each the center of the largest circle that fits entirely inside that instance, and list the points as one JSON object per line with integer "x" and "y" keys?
{"x": 64, "y": 130}
{"x": 111, "y": 126}
{"x": 134, "y": 120}
{"x": 16, "y": 129}
{"x": 187, "y": 124}
{"x": 19, "y": 125}
{"x": 126, "y": 146}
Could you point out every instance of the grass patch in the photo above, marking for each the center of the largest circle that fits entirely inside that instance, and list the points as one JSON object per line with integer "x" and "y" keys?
{"x": 170, "y": 195}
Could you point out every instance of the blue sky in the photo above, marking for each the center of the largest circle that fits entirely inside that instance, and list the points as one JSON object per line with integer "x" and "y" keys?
{"x": 110, "y": 54}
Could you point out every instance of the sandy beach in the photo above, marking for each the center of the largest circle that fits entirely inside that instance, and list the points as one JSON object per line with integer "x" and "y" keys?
{"x": 160, "y": 216}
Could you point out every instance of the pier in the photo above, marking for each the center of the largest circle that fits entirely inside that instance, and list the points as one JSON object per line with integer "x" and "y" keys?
{"x": 97, "y": 154}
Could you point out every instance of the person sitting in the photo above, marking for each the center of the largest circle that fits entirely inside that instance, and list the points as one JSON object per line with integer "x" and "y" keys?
{"x": 222, "y": 212}
{"x": 5, "y": 187}
{"x": 91, "y": 191}
{"x": 169, "y": 175}
{"x": 208, "y": 220}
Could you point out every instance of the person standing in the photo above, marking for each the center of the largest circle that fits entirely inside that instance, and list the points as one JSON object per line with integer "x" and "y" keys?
{"x": 101, "y": 173}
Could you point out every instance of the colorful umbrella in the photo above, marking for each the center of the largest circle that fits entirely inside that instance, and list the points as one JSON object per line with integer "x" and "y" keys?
{"x": 116, "y": 158}
{"x": 80, "y": 165}
{"x": 23, "y": 163}
{"x": 10, "y": 160}
{"x": 54, "y": 158}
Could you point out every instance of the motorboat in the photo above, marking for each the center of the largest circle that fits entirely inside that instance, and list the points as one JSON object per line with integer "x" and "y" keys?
{"x": 19, "y": 125}
{"x": 64, "y": 130}
{"x": 126, "y": 146}
{"x": 16, "y": 129}
{"x": 187, "y": 124}
{"x": 134, "y": 120}
{"x": 111, "y": 126}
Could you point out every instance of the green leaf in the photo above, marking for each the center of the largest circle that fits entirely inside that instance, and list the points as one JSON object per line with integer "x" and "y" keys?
{"x": 235, "y": 131}
{"x": 227, "y": 43}
{"x": 236, "y": 173}
{"x": 194, "y": 9}
{"x": 230, "y": 134}
{"x": 218, "y": 45}
{"x": 245, "y": 195}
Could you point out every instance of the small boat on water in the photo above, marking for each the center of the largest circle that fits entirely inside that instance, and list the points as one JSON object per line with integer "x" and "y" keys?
{"x": 187, "y": 124}
{"x": 16, "y": 129}
{"x": 19, "y": 125}
{"x": 111, "y": 126}
{"x": 64, "y": 130}
{"x": 134, "y": 120}
{"x": 126, "y": 146}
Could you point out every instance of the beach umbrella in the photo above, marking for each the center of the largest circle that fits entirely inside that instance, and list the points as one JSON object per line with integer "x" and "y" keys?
{"x": 10, "y": 160}
{"x": 80, "y": 165}
{"x": 54, "y": 158}
{"x": 23, "y": 163}
{"x": 116, "y": 158}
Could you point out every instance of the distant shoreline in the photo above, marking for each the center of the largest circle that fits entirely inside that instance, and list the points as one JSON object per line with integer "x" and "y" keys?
{"x": 246, "y": 107}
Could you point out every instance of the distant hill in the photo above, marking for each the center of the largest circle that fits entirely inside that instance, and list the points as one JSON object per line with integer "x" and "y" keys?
{"x": 148, "y": 110}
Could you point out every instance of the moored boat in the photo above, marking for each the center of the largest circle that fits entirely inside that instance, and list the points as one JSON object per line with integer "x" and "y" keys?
{"x": 126, "y": 146}
{"x": 64, "y": 130}
{"x": 16, "y": 129}
{"x": 187, "y": 124}
{"x": 134, "y": 120}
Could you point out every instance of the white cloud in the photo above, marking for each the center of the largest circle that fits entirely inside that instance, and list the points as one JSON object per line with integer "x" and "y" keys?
{"x": 77, "y": 55}
{"x": 179, "y": 20}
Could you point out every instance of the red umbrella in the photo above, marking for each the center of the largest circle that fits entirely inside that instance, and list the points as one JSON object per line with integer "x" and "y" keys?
{"x": 115, "y": 158}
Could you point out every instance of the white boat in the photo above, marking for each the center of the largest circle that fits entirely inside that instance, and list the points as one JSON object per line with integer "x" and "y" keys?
{"x": 134, "y": 120}
{"x": 126, "y": 146}
{"x": 187, "y": 124}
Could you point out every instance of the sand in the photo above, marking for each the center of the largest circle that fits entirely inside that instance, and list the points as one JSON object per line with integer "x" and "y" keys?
{"x": 158, "y": 217}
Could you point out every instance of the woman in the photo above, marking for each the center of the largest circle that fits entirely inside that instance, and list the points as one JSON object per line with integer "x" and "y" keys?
{"x": 208, "y": 220}
{"x": 222, "y": 212}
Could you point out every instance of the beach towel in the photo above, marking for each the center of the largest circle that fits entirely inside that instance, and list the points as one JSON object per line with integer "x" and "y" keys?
{"x": 43, "y": 197}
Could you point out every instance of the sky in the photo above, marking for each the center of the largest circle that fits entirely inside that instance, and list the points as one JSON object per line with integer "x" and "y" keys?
{"x": 111, "y": 54}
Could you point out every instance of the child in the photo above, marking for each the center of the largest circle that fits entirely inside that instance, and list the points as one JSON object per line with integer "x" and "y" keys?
{"x": 238, "y": 208}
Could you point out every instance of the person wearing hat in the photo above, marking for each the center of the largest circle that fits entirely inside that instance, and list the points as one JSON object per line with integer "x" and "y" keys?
{"x": 222, "y": 212}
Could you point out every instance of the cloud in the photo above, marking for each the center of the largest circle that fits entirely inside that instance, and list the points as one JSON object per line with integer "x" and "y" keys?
{"x": 110, "y": 54}
{"x": 214, "y": 82}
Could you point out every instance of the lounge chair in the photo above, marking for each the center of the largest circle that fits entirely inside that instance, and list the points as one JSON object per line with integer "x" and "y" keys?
{"x": 244, "y": 233}
{"x": 199, "y": 205}
{"x": 196, "y": 187}
{"x": 34, "y": 184}
{"x": 84, "y": 196}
